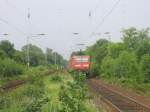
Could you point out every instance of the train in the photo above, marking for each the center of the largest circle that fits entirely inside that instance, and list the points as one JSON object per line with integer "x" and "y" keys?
{"x": 80, "y": 63}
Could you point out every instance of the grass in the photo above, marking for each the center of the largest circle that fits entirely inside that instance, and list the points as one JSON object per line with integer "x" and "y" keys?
{"x": 139, "y": 87}
{"x": 53, "y": 89}
{"x": 18, "y": 99}
{"x": 27, "y": 73}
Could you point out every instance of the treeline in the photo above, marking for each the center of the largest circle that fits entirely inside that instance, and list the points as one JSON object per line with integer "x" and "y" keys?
{"x": 13, "y": 62}
{"x": 128, "y": 60}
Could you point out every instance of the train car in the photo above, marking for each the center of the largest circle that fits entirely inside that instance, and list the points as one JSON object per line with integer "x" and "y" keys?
{"x": 80, "y": 63}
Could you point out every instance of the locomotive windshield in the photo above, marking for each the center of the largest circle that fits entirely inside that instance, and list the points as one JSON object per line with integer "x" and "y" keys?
{"x": 80, "y": 59}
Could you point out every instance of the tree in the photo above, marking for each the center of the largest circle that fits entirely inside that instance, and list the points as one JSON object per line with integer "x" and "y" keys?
{"x": 36, "y": 55}
{"x": 98, "y": 51}
{"x": 54, "y": 56}
{"x": 114, "y": 49}
{"x": 145, "y": 67}
{"x": 134, "y": 38}
{"x": 7, "y": 48}
{"x": 107, "y": 66}
{"x": 143, "y": 49}
{"x": 49, "y": 54}
{"x": 20, "y": 57}
{"x": 126, "y": 65}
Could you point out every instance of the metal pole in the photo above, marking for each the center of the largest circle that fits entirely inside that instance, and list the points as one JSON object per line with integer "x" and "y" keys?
{"x": 46, "y": 58}
{"x": 28, "y": 52}
{"x": 28, "y": 47}
{"x": 55, "y": 58}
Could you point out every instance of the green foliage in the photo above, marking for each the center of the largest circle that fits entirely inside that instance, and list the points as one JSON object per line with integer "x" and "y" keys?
{"x": 114, "y": 49}
{"x": 19, "y": 57}
{"x": 36, "y": 105}
{"x": 98, "y": 51}
{"x": 4, "y": 101}
{"x": 133, "y": 38}
{"x": 36, "y": 55}
{"x": 108, "y": 66}
{"x": 73, "y": 95}
{"x": 54, "y": 56}
{"x": 35, "y": 88}
{"x": 143, "y": 48}
{"x": 126, "y": 65}
{"x": 145, "y": 67}
{"x": 10, "y": 68}
{"x": 7, "y": 48}
{"x": 30, "y": 97}
{"x": 126, "y": 61}
{"x": 56, "y": 78}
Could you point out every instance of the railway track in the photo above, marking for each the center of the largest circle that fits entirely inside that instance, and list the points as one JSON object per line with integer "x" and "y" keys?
{"x": 16, "y": 83}
{"x": 116, "y": 101}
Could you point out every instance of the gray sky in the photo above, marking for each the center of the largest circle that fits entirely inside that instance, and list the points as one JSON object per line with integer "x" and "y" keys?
{"x": 60, "y": 18}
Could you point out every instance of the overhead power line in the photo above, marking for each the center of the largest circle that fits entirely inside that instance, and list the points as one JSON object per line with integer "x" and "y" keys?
{"x": 106, "y": 16}
{"x": 11, "y": 25}
{"x": 95, "y": 8}
{"x": 21, "y": 12}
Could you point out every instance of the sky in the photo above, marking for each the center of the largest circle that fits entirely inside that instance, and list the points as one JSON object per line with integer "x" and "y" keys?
{"x": 59, "y": 19}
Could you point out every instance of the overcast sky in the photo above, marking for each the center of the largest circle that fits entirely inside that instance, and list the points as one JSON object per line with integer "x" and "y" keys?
{"x": 60, "y": 18}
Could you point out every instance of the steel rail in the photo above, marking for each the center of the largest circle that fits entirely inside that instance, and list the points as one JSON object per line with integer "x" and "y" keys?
{"x": 16, "y": 83}
{"x": 115, "y": 97}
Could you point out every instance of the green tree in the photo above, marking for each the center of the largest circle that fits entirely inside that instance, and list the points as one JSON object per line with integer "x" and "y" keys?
{"x": 36, "y": 55}
{"x": 114, "y": 49}
{"x": 126, "y": 65}
{"x": 7, "y": 48}
{"x": 143, "y": 48}
{"x": 107, "y": 67}
{"x": 50, "y": 57}
{"x": 145, "y": 67}
{"x": 98, "y": 51}
{"x": 133, "y": 38}
{"x": 19, "y": 57}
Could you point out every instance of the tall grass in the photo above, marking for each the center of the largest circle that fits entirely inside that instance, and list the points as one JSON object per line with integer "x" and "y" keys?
{"x": 9, "y": 68}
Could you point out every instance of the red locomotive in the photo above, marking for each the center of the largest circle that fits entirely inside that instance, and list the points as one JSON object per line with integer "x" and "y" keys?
{"x": 80, "y": 63}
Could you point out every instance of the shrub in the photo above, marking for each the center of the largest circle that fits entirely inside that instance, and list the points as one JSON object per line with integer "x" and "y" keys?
{"x": 107, "y": 66}
{"x": 10, "y": 68}
{"x": 73, "y": 95}
{"x": 36, "y": 105}
{"x": 126, "y": 65}
{"x": 56, "y": 78}
{"x": 145, "y": 67}
{"x": 35, "y": 87}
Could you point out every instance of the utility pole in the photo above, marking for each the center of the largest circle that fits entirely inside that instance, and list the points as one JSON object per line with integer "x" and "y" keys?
{"x": 28, "y": 39}
{"x": 55, "y": 59}
{"x": 28, "y": 47}
{"x": 46, "y": 58}
{"x": 28, "y": 53}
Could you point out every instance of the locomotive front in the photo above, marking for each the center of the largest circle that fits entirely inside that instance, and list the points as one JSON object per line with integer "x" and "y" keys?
{"x": 80, "y": 63}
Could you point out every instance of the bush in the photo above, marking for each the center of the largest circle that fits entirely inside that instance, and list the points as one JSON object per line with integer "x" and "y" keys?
{"x": 56, "y": 78}
{"x": 145, "y": 67}
{"x": 107, "y": 66}
{"x": 10, "y": 68}
{"x": 73, "y": 95}
{"x": 126, "y": 65}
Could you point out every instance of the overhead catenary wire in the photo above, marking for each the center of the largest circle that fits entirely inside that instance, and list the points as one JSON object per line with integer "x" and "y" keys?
{"x": 95, "y": 8}
{"x": 21, "y": 12}
{"x": 11, "y": 25}
{"x": 105, "y": 17}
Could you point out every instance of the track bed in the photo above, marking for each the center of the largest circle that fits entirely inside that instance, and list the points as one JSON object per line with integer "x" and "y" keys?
{"x": 116, "y": 100}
